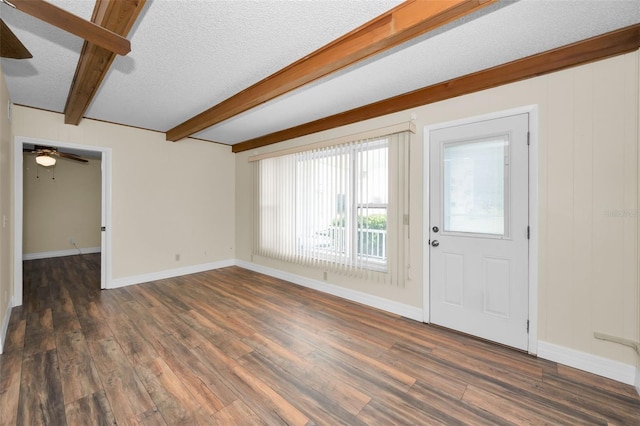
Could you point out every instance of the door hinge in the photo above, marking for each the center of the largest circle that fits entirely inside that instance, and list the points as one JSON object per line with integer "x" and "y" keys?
{"x": 527, "y": 326}
{"x": 103, "y": 228}
{"x": 528, "y": 232}
{"x": 528, "y": 138}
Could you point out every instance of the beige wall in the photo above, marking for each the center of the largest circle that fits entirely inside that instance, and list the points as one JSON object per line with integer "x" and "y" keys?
{"x": 588, "y": 199}
{"x": 167, "y": 198}
{"x": 6, "y": 255}
{"x": 56, "y": 210}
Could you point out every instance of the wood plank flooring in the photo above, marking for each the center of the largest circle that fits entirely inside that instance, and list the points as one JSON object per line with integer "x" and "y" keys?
{"x": 233, "y": 347}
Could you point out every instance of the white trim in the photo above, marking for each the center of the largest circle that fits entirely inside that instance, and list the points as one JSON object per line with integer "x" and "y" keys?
{"x": 105, "y": 220}
{"x": 638, "y": 234}
{"x": 387, "y": 305}
{"x": 5, "y": 325}
{"x": 17, "y": 221}
{"x": 483, "y": 117}
{"x": 532, "y": 110}
{"x": 169, "y": 273}
{"x": 534, "y": 227}
{"x": 426, "y": 220}
{"x": 604, "y": 367}
{"x": 19, "y": 141}
{"x": 59, "y": 253}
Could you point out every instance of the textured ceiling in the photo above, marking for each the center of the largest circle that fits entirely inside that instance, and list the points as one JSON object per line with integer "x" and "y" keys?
{"x": 43, "y": 81}
{"x": 501, "y": 34}
{"x": 189, "y": 55}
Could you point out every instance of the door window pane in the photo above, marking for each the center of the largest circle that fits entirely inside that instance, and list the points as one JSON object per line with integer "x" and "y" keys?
{"x": 474, "y": 186}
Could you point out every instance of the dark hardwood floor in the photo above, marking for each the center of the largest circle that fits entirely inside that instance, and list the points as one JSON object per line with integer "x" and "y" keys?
{"x": 236, "y": 347}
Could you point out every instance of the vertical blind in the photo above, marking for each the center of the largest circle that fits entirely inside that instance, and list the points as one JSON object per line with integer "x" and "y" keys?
{"x": 343, "y": 208}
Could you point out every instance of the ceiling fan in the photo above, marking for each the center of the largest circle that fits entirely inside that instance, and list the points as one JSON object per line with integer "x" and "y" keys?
{"x": 12, "y": 47}
{"x": 45, "y": 155}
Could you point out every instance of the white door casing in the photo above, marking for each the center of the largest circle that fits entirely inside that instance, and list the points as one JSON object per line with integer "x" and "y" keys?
{"x": 105, "y": 258}
{"x": 478, "y": 227}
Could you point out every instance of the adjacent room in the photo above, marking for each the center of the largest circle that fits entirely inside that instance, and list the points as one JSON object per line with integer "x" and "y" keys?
{"x": 319, "y": 212}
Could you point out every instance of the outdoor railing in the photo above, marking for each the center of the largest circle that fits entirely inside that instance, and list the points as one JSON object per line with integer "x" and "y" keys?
{"x": 371, "y": 243}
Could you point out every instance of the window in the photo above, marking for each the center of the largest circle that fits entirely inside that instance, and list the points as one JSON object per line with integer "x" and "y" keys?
{"x": 341, "y": 203}
{"x": 474, "y": 195}
{"x": 331, "y": 206}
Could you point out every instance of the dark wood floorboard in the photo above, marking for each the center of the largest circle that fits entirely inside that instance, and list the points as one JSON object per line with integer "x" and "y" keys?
{"x": 232, "y": 346}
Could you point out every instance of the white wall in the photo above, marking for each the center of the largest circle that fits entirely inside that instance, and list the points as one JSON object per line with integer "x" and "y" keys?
{"x": 56, "y": 210}
{"x": 167, "y": 198}
{"x": 588, "y": 193}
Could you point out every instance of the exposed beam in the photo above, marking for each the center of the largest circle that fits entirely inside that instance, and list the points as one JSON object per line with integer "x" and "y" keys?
{"x": 11, "y": 47}
{"x": 95, "y": 61}
{"x": 69, "y": 22}
{"x": 600, "y": 47}
{"x": 406, "y": 21}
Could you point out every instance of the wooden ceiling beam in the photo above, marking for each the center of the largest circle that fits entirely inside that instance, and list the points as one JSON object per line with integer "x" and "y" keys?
{"x": 94, "y": 63}
{"x": 600, "y": 47}
{"x": 11, "y": 46}
{"x": 69, "y": 22}
{"x": 402, "y": 23}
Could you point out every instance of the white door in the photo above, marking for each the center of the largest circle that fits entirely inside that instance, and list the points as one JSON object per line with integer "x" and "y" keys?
{"x": 479, "y": 229}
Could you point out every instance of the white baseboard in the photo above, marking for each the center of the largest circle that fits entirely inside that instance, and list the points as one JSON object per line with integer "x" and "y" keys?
{"x": 59, "y": 253}
{"x": 355, "y": 296}
{"x": 5, "y": 324}
{"x": 605, "y": 367}
{"x": 169, "y": 273}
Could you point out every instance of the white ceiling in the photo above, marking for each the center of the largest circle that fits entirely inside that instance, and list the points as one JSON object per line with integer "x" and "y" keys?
{"x": 189, "y": 55}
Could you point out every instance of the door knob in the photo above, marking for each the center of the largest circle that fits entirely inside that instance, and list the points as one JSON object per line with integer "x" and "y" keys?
{"x": 435, "y": 243}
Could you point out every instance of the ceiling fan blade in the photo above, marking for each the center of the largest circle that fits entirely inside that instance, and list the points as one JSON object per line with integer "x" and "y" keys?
{"x": 62, "y": 19}
{"x": 70, "y": 156}
{"x": 43, "y": 148}
{"x": 11, "y": 47}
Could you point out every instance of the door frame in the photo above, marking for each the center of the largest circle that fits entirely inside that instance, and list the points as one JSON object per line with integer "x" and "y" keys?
{"x": 532, "y": 110}
{"x": 105, "y": 237}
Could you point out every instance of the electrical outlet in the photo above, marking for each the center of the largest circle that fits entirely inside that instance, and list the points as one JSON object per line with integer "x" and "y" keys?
{"x": 72, "y": 241}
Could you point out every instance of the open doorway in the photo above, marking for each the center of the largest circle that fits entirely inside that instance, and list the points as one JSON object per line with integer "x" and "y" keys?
{"x": 55, "y": 213}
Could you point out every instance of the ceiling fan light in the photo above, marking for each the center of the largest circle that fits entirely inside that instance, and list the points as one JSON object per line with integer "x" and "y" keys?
{"x": 45, "y": 160}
